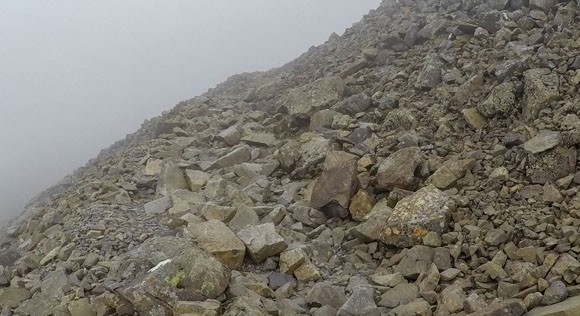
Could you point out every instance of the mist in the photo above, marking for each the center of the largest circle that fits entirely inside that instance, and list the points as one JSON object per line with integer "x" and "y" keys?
{"x": 76, "y": 76}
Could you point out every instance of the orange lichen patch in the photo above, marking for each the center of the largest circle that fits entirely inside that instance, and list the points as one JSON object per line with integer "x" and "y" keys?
{"x": 419, "y": 232}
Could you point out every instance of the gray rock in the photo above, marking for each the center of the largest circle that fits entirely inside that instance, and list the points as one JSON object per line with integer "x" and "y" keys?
{"x": 245, "y": 306}
{"x": 452, "y": 298}
{"x": 311, "y": 97}
{"x": 324, "y": 293}
{"x": 216, "y": 238}
{"x": 322, "y": 119}
{"x": 262, "y": 241}
{"x": 354, "y": 104}
{"x": 401, "y": 294}
{"x": 415, "y": 308}
{"x": 360, "y": 302}
{"x": 543, "y": 141}
{"x": 372, "y": 227}
{"x": 333, "y": 190}
{"x": 556, "y": 293}
{"x": 196, "y": 179}
{"x": 430, "y": 76}
{"x": 260, "y": 139}
{"x": 500, "y": 101}
{"x": 544, "y": 5}
{"x": 13, "y": 296}
{"x": 551, "y": 165}
{"x": 170, "y": 179}
{"x": 512, "y": 307}
{"x": 540, "y": 89}
{"x": 158, "y": 206}
{"x": 415, "y": 260}
{"x": 231, "y": 135}
{"x": 569, "y": 307}
{"x": 237, "y": 156}
{"x": 414, "y": 216}
{"x": 398, "y": 170}
{"x": 81, "y": 307}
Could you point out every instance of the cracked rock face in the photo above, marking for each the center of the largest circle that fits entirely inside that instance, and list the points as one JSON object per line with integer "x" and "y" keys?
{"x": 422, "y": 163}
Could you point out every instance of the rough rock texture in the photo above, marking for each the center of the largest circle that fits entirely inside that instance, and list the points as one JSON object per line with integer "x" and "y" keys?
{"x": 422, "y": 163}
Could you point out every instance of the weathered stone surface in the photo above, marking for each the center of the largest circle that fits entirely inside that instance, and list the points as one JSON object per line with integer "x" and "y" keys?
{"x": 158, "y": 206}
{"x": 415, "y": 260}
{"x": 81, "y": 307}
{"x": 430, "y": 75}
{"x": 260, "y": 139}
{"x": 332, "y": 192}
{"x": 206, "y": 308}
{"x": 474, "y": 118}
{"x": 543, "y": 141}
{"x": 501, "y": 100}
{"x": 555, "y": 293}
{"x": 544, "y": 5}
{"x": 540, "y": 89}
{"x": 236, "y": 156}
{"x": 551, "y": 165}
{"x": 360, "y": 302}
{"x": 13, "y": 296}
{"x": 414, "y": 216}
{"x": 353, "y": 104}
{"x": 415, "y": 308}
{"x": 322, "y": 119}
{"x": 311, "y": 97}
{"x": 170, "y": 179}
{"x": 510, "y": 307}
{"x": 262, "y": 241}
{"x": 196, "y": 179}
{"x": 401, "y": 294}
{"x": 324, "y": 293}
{"x": 231, "y": 135}
{"x": 361, "y": 205}
{"x": 398, "y": 170}
{"x": 569, "y": 307}
{"x": 216, "y": 238}
{"x": 191, "y": 276}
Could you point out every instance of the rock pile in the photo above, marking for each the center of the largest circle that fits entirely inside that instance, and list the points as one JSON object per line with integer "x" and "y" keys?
{"x": 423, "y": 163}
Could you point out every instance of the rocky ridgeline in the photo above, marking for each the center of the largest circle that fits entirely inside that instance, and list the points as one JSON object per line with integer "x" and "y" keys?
{"x": 423, "y": 163}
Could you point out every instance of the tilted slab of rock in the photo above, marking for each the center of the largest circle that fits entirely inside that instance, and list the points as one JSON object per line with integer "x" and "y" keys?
{"x": 333, "y": 190}
{"x": 216, "y": 238}
{"x": 158, "y": 206}
{"x": 196, "y": 179}
{"x": 414, "y": 216}
{"x": 569, "y": 307}
{"x": 237, "y": 156}
{"x": 551, "y": 165}
{"x": 262, "y": 241}
{"x": 311, "y": 97}
{"x": 170, "y": 179}
{"x": 260, "y": 139}
{"x": 194, "y": 275}
{"x": 540, "y": 89}
{"x": 545, "y": 140}
{"x": 398, "y": 170}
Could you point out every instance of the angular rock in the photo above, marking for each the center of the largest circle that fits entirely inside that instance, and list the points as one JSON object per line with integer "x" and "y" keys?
{"x": 260, "y": 139}
{"x": 474, "y": 118}
{"x": 158, "y": 206}
{"x": 231, "y": 135}
{"x": 353, "y": 104}
{"x": 544, "y": 5}
{"x": 430, "y": 76}
{"x": 500, "y": 101}
{"x": 196, "y": 179}
{"x": 311, "y": 97}
{"x": 170, "y": 179}
{"x": 360, "y": 302}
{"x": 415, "y": 261}
{"x": 540, "y": 89}
{"x": 545, "y": 140}
{"x": 401, "y": 294}
{"x": 262, "y": 241}
{"x": 555, "y": 293}
{"x": 237, "y": 156}
{"x": 324, "y": 293}
{"x": 569, "y": 307}
{"x": 13, "y": 296}
{"x": 81, "y": 307}
{"x": 361, "y": 205}
{"x": 216, "y": 238}
{"x": 551, "y": 165}
{"x": 332, "y": 192}
{"x": 414, "y": 216}
{"x": 398, "y": 170}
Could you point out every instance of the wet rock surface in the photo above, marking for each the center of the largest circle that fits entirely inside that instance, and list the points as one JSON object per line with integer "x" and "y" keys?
{"x": 422, "y": 163}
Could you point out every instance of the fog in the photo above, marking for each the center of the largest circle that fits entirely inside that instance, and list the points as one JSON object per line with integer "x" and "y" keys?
{"x": 75, "y": 76}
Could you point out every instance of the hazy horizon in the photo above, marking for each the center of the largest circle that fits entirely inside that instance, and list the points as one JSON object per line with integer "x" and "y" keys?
{"x": 76, "y": 76}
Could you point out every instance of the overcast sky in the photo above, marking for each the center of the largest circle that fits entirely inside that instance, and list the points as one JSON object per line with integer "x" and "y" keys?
{"x": 77, "y": 75}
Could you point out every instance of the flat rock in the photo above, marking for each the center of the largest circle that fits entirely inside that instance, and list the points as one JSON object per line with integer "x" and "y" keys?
{"x": 360, "y": 302}
{"x": 414, "y": 216}
{"x": 158, "y": 206}
{"x": 237, "y": 156}
{"x": 511, "y": 307}
{"x": 196, "y": 179}
{"x": 398, "y": 170}
{"x": 13, "y": 296}
{"x": 231, "y": 135}
{"x": 170, "y": 179}
{"x": 324, "y": 293}
{"x": 540, "y": 89}
{"x": 551, "y": 165}
{"x": 401, "y": 294}
{"x": 262, "y": 241}
{"x": 311, "y": 97}
{"x": 216, "y": 238}
{"x": 543, "y": 141}
{"x": 569, "y": 307}
{"x": 260, "y": 139}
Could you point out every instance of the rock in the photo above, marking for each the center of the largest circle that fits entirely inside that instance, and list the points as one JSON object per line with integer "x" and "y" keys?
{"x": 196, "y": 179}
{"x": 395, "y": 43}
{"x": 193, "y": 275}
{"x": 452, "y": 298}
{"x": 540, "y": 89}
{"x": 512, "y": 307}
{"x": 432, "y": 239}
{"x": 262, "y": 241}
{"x": 361, "y": 205}
{"x": 551, "y": 165}
{"x": 398, "y": 170}
{"x": 500, "y": 101}
{"x": 374, "y": 222}
{"x": 475, "y": 119}
{"x": 237, "y": 156}
{"x": 544, "y": 5}
{"x": 415, "y": 260}
{"x": 495, "y": 237}
{"x": 565, "y": 264}
{"x": 153, "y": 167}
{"x": 354, "y": 104}
{"x": 570, "y": 307}
{"x": 324, "y": 293}
{"x": 311, "y": 97}
{"x": 333, "y": 190}
{"x": 307, "y": 272}
{"x": 231, "y": 135}
{"x": 430, "y": 75}
{"x": 360, "y": 302}
{"x": 245, "y": 306}
{"x": 551, "y": 194}
{"x": 184, "y": 201}
{"x": 474, "y": 303}
{"x": 556, "y": 293}
{"x": 170, "y": 179}
{"x": 415, "y": 308}
{"x": 81, "y": 307}
{"x": 322, "y": 119}
{"x": 414, "y": 216}
{"x": 206, "y": 308}
{"x": 290, "y": 260}
{"x": 401, "y": 294}
{"x": 533, "y": 300}
{"x": 543, "y": 141}
{"x": 158, "y": 206}
{"x": 216, "y": 238}
{"x": 13, "y": 296}
{"x": 260, "y": 139}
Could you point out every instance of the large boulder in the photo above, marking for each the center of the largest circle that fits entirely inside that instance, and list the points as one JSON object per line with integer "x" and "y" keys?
{"x": 414, "y": 216}
{"x": 216, "y": 238}
{"x": 398, "y": 170}
{"x": 333, "y": 190}
{"x": 194, "y": 275}
{"x": 262, "y": 241}
{"x": 170, "y": 179}
{"x": 314, "y": 96}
